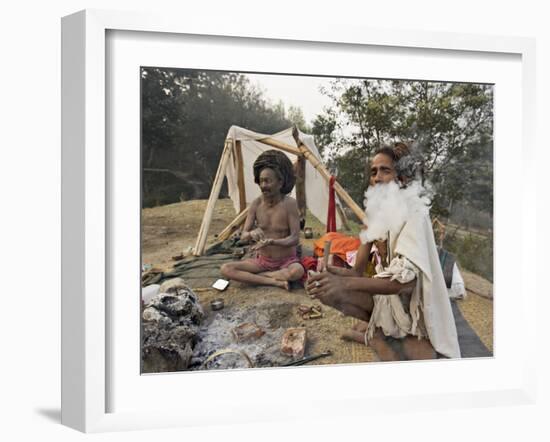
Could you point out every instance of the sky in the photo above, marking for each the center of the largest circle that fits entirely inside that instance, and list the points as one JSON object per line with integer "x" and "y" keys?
{"x": 294, "y": 90}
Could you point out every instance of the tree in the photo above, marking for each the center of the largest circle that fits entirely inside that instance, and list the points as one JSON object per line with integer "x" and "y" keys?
{"x": 296, "y": 117}
{"x": 185, "y": 117}
{"x": 450, "y": 124}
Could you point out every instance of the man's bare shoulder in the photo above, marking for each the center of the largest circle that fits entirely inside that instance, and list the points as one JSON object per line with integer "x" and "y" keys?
{"x": 255, "y": 202}
{"x": 290, "y": 202}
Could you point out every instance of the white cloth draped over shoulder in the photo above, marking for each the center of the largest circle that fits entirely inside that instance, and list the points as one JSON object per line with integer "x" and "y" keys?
{"x": 429, "y": 310}
{"x": 390, "y": 313}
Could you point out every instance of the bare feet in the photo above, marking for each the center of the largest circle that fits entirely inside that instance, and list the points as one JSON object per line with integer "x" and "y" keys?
{"x": 360, "y": 326}
{"x": 354, "y": 336}
{"x": 284, "y": 285}
{"x": 356, "y": 333}
{"x": 269, "y": 274}
{"x": 377, "y": 342}
{"x": 277, "y": 282}
{"x": 409, "y": 348}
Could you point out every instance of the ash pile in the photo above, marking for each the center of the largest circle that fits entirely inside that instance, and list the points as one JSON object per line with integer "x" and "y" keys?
{"x": 170, "y": 326}
{"x": 178, "y": 335}
{"x": 245, "y": 337}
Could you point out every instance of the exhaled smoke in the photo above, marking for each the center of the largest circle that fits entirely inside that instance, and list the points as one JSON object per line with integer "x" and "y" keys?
{"x": 387, "y": 208}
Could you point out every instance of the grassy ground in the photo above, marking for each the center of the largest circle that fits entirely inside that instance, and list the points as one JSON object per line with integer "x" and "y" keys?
{"x": 169, "y": 230}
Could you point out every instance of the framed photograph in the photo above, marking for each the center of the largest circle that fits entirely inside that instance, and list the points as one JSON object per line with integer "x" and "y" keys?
{"x": 122, "y": 198}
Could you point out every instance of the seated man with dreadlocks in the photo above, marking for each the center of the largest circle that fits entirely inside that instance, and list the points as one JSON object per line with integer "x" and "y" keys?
{"x": 273, "y": 225}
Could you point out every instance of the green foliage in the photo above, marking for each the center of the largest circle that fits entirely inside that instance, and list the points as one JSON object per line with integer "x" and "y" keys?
{"x": 296, "y": 117}
{"x": 185, "y": 118}
{"x": 473, "y": 252}
{"x": 350, "y": 169}
{"x": 450, "y": 124}
{"x": 324, "y": 131}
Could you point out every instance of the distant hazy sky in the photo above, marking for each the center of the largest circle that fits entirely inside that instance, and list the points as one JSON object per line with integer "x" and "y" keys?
{"x": 293, "y": 90}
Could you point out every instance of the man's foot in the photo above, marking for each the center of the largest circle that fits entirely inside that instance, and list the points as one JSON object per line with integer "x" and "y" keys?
{"x": 277, "y": 275}
{"x": 360, "y": 326}
{"x": 378, "y": 342}
{"x": 353, "y": 336}
{"x": 282, "y": 284}
{"x": 356, "y": 333}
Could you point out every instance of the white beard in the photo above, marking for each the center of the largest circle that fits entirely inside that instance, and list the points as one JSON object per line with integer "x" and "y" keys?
{"x": 388, "y": 207}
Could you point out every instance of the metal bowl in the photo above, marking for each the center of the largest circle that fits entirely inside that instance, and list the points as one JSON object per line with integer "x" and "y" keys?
{"x": 217, "y": 304}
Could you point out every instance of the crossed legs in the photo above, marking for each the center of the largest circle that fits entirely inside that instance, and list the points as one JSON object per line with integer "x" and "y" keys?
{"x": 249, "y": 272}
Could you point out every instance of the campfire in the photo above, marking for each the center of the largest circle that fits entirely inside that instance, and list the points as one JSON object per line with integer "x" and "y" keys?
{"x": 181, "y": 334}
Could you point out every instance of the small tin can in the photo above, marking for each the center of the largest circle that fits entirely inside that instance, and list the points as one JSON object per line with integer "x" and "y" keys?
{"x": 216, "y": 304}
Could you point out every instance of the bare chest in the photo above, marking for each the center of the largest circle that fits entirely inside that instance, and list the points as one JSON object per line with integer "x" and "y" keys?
{"x": 273, "y": 219}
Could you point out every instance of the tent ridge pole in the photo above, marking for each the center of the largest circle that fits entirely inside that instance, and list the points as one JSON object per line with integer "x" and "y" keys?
{"x": 279, "y": 144}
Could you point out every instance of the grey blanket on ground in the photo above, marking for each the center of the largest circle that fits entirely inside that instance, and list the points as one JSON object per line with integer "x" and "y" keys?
{"x": 470, "y": 344}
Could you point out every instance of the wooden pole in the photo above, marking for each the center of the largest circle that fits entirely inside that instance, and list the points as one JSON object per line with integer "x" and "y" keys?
{"x": 233, "y": 225}
{"x": 214, "y": 194}
{"x": 280, "y": 145}
{"x": 240, "y": 175}
{"x": 300, "y": 168}
{"x": 326, "y": 254}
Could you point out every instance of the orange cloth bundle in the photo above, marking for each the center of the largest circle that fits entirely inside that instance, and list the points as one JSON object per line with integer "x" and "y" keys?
{"x": 340, "y": 244}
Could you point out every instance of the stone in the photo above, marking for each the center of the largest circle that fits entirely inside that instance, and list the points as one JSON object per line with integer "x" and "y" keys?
{"x": 170, "y": 329}
{"x": 247, "y": 331}
{"x": 147, "y": 293}
{"x": 293, "y": 342}
{"x": 151, "y": 314}
{"x": 173, "y": 285}
{"x": 181, "y": 307}
{"x": 166, "y": 349}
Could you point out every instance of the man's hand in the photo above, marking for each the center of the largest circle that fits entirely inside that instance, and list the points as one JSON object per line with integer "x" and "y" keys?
{"x": 262, "y": 243}
{"x": 325, "y": 286}
{"x": 257, "y": 235}
{"x": 253, "y": 235}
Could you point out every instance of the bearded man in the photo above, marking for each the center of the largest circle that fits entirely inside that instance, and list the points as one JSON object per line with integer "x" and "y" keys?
{"x": 403, "y": 304}
{"x": 272, "y": 225}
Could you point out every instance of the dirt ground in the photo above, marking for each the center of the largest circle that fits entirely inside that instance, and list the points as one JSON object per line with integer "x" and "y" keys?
{"x": 169, "y": 230}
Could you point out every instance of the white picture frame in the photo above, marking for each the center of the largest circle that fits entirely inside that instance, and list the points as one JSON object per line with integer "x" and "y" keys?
{"x": 87, "y": 209}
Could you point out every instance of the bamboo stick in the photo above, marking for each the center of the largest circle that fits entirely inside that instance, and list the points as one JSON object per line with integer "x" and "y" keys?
{"x": 240, "y": 175}
{"x": 233, "y": 225}
{"x": 300, "y": 167}
{"x": 214, "y": 194}
{"x": 326, "y": 254}
{"x": 280, "y": 145}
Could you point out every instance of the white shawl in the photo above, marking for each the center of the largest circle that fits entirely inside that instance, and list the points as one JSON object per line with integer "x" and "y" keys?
{"x": 415, "y": 255}
{"x": 416, "y": 243}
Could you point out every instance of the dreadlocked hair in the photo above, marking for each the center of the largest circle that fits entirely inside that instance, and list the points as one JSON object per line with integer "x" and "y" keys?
{"x": 280, "y": 164}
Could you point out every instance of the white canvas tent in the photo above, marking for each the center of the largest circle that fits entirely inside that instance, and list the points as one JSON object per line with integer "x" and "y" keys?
{"x": 241, "y": 149}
